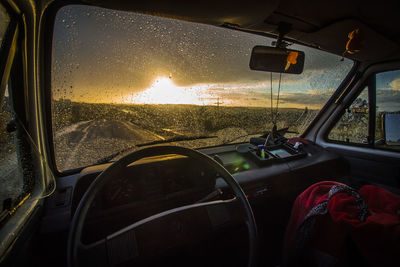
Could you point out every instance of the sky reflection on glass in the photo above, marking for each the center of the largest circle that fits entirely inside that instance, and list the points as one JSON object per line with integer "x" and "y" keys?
{"x": 107, "y": 56}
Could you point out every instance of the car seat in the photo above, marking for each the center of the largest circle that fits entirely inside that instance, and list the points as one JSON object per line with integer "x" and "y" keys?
{"x": 332, "y": 224}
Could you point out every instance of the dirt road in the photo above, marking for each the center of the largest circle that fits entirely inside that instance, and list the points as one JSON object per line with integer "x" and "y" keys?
{"x": 84, "y": 143}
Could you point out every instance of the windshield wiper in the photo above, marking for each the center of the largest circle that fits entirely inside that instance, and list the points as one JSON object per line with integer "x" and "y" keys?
{"x": 163, "y": 141}
{"x": 281, "y": 132}
{"x": 177, "y": 139}
{"x": 241, "y": 136}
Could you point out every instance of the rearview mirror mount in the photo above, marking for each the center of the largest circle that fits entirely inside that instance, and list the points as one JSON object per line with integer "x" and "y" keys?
{"x": 275, "y": 59}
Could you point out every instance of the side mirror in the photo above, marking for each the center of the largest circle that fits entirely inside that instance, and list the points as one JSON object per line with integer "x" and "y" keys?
{"x": 274, "y": 59}
{"x": 391, "y": 127}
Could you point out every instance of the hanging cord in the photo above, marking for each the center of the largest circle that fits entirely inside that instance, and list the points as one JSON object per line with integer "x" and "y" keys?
{"x": 277, "y": 99}
{"x": 272, "y": 109}
{"x": 274, "y": 113}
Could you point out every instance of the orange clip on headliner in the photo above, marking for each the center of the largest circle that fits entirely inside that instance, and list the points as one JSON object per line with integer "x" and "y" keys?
{"x": 354, "y": 45}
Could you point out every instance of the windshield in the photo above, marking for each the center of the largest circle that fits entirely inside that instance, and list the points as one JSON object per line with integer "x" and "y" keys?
{"x": 120, "y": 79}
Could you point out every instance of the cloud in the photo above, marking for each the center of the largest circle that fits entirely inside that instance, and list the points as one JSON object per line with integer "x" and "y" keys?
{"x": 388, "y": 100}
{"x": 102, "y": 56}
{"x": 395, "y": 84}
{"x": 312, "y": 98}
{"x": 323, "y": 92}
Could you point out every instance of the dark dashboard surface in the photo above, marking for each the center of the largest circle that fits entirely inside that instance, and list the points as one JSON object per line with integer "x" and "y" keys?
{"x": 176, "y": 180}
{"x": 159, "y": 184}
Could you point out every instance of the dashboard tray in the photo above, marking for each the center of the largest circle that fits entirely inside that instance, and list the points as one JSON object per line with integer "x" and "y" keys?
{"x": 275, "y": 154}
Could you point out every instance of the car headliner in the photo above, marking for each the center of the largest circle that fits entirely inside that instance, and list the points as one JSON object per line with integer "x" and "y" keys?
{"x": 321, "y": 24}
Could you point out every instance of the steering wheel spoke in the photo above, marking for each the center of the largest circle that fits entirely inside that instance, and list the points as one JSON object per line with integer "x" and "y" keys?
{"x": 171, "y": 227}
{"x": 156, "y": 234}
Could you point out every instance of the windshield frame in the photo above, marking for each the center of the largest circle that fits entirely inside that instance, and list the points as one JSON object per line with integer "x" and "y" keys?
{"x": 46, "y": 44}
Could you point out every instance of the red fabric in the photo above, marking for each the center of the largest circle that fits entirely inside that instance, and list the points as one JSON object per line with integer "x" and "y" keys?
{"x": 311, "y": 197}
{"x": 329, "y": 237}
{"x": 343, "y": 209}
{"x": 378, "y": 238}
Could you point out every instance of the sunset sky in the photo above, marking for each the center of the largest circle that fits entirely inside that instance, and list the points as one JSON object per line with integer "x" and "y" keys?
{"x": 109, "y": 56}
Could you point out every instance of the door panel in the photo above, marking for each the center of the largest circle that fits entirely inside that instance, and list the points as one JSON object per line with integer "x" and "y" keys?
{"x": 370, "y": 167}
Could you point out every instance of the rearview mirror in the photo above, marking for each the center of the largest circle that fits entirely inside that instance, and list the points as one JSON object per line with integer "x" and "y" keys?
{"x": 391, "y": 128}
{"x": 274, "y": 59}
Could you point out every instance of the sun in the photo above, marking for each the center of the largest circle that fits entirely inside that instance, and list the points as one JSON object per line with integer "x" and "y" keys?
{"x": 164, "y": 91}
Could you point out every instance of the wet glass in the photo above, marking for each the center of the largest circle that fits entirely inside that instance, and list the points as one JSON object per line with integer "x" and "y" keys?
{"x": 120, "y": 79}
{"x": 11, "y": 179}
{"x": 387, "y": 126}
{"x": 353, "y": 125}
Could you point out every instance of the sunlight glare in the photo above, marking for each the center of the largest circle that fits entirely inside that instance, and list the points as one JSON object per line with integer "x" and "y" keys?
{"x": 164, "y": 91}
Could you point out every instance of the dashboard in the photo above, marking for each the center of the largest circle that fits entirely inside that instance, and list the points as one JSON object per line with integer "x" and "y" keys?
{"x": 166, "y": 179}
{"x": 157, "y": 184}
{"x": 173, "y": 178}
{"x": 144, "y": 188}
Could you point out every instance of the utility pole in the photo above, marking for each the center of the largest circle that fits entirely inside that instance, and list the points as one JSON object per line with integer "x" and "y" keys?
{"x": 218, "y": 103}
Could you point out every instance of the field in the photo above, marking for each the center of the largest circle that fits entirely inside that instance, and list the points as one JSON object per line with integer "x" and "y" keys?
{"x": 85, "y": 133}
{"x": 187, "y": 119}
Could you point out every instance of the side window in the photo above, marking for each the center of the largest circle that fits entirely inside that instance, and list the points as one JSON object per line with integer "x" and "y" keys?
{"x": 11, "y": 178}
{"x": 4, "y": 22}
{"x": 6, "y": 142}
{"x": 12, "y": 186}
{"x": 387, "y": 126}
{"x": 353, "y": 125}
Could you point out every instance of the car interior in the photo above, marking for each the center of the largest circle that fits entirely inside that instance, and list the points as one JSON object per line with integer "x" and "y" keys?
{"x": 181, "y": 133}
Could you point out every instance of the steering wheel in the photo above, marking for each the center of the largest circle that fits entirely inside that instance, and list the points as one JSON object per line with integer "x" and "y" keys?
{"x": 121, "y": 245}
